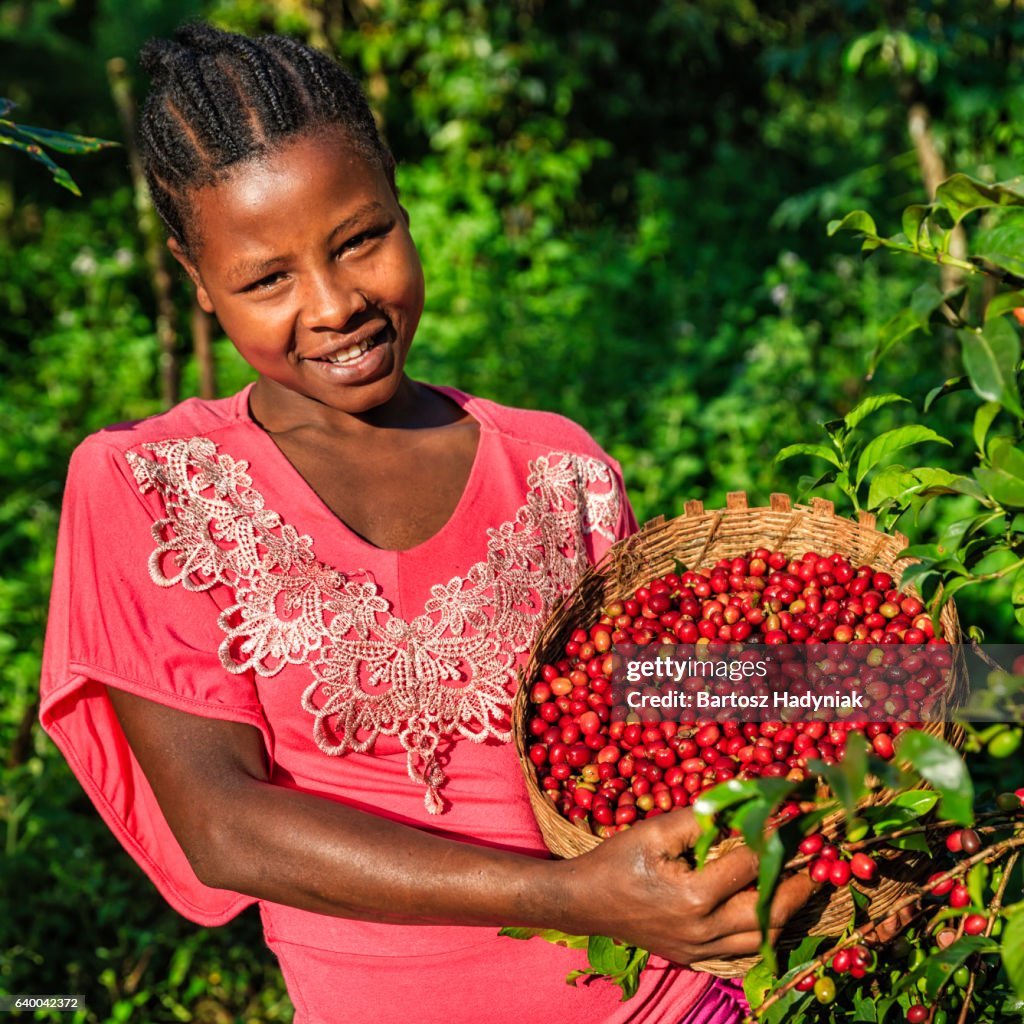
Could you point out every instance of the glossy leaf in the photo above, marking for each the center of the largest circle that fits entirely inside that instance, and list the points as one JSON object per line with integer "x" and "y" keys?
{"x": 891, "y": 482}
{"x": 947, "y": 387}
{"x": 866, "y": 406}
{"x": 940, "y": 965}
{"x": 893, "y": 441}
{"x": 941, "y": 766}
{"x": 858, "y": 220}
{"x": 915, "y": 225}
{"x": 991, "y": 357}
{"x": 1004, "y": 303}
{"x": 820, "y": 451}
{"x": 983, "y": 420}
{"x": 1003, "y": 477}
{"x": 961, "y": 195}
{"x": 1013, "y": 950}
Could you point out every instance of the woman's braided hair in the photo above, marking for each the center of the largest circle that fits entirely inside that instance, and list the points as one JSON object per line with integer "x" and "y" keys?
{"x": 218, "y": 98}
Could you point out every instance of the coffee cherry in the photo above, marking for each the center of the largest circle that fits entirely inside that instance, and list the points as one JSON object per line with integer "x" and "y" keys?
{"x": 812, "y": 844}
{"x": 1008, "y": 802}
{"x": 975, "y": 924}
{"x": 954, "y": 841}
{"x": 825, "y": 991}
{"x": 820, "y": 870}
{"x": 959, "y": 896}
{"x": 970, "y": 841}
{"x": 863, "y": 867}
{"x": 841, "y": 961}
{"x": 805, "y": 984}
{"x": 839, "y": 872}
{"x": 917, "y": 1014}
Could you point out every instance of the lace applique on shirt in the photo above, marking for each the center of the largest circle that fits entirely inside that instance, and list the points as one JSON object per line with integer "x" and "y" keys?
{"x": 443, "y": 674}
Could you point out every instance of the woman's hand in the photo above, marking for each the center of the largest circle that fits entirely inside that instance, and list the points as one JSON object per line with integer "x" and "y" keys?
{"x": 638, "y": 887}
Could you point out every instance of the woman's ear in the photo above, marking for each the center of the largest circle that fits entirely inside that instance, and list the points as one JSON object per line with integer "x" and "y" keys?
{"x": 202, "y": 295}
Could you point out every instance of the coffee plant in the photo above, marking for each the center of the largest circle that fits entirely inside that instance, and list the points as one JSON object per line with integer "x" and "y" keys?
{"x": 960, "y": 954}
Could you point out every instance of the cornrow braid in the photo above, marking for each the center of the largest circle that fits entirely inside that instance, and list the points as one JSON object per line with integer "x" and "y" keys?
{"x": 218, "y": 98}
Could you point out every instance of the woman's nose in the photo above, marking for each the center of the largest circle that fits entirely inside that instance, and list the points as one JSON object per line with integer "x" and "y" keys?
{"x": 330, "y": 301}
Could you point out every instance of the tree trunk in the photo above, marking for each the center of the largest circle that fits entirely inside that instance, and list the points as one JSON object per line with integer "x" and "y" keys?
{"x": 933, "y": 171}
{"x": 152, "y": 239}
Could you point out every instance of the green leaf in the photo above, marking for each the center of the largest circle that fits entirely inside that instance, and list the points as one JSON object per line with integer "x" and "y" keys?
{"x": 551, "y": 935}
{"x": 1003, "y": 478}
{"x": 991, "y": 357}
{"x": 16, "y": 141}
{"x": 893, "y": 441}
{"x": 858, "y": 220}
{"x": 64, "y": 142}
{"x": 914, "y": 841}
{"x": 769, "y": 867}
{"x": 864, "y": 1009}
{"x": 820, "y": 451}
{"x": 941, "y": 766}
{"x": 757, "y": 983}
{"x": 1004, "y": 303}
{"x": 606, "y": 956}
{"x": 1013, "y": 950}
{"x": 837, "y": 431}
{"x": 983, "y": 420}
{"x": 977, "y": 877}
{"x": 864, "y": 408}
{"x": 848, "y": 778}
{"x": 939, "y": 967}
{"x": 891, "y": 482}
{"x": 919, "y": 801}
{"x": 1014, "y": 265}
{"x": 947, "y": 387}
{"x": 960, "y": 195}
{"x": 915, "y": 226}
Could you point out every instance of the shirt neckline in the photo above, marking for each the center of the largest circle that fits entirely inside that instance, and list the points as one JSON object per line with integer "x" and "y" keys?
{"x": 282, "y": 469}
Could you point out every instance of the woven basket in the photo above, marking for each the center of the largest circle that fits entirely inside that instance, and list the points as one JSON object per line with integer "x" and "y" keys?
{"x": 697, "y": 539}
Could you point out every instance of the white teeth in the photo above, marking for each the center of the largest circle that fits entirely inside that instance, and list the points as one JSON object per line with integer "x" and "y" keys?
{"x": 349, "y": 355}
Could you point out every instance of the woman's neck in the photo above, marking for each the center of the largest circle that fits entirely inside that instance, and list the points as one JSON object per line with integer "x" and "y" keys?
{"x": 279, "y": 410}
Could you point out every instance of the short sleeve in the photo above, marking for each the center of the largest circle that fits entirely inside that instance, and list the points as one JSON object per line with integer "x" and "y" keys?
{"x": 110, "y": 624}
{"x": 609, "y": 516}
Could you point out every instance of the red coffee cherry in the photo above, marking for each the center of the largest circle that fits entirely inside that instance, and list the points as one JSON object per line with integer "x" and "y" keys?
{"x": 975, "y": 924}
{"x": 863, "y": 867}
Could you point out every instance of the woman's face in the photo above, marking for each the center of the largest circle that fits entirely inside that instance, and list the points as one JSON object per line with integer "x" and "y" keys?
{"x": 305, "y": 256}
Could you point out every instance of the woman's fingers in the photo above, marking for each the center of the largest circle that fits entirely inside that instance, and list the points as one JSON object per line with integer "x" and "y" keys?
{"x": 726, "y": 875}
{"x": 738, "y": 915}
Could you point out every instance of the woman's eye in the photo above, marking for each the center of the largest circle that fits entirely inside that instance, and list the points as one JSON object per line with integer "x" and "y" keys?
{"x": 264, "y": 283}
{"x": 357, "y": 241}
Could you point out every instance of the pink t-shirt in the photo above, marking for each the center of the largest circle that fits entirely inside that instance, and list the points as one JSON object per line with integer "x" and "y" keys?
{"x": 195, "y": 567}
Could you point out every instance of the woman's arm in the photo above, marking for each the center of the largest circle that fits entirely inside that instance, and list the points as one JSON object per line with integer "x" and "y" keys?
{"x": 243, "y": 833}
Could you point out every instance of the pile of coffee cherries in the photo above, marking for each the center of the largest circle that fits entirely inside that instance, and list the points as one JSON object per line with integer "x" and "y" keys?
{"x": 605, "y": 766}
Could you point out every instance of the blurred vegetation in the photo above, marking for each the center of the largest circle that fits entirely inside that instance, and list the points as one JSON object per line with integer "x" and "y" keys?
{"x": 621, "y": 214}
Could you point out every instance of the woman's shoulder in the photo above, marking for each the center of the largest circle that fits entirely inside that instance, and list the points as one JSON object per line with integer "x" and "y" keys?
{"x": 529, "y": 427}
{"x": 194, "y": 417}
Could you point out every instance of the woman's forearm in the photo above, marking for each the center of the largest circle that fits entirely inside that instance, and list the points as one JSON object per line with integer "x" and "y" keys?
{"x": 319, "y": 855}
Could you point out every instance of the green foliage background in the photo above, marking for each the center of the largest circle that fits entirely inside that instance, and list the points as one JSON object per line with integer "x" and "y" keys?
{"x": 621, "y": 210}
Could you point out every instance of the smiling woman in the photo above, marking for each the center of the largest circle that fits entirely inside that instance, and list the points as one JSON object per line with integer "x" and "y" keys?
{"x": 285, "y": 625}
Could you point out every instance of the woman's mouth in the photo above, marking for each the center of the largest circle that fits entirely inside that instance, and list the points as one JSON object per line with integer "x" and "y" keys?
{"x": 353, "y": 353}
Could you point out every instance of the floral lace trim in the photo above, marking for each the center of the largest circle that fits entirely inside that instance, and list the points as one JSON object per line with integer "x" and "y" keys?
{"x": 443, "y": 674}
